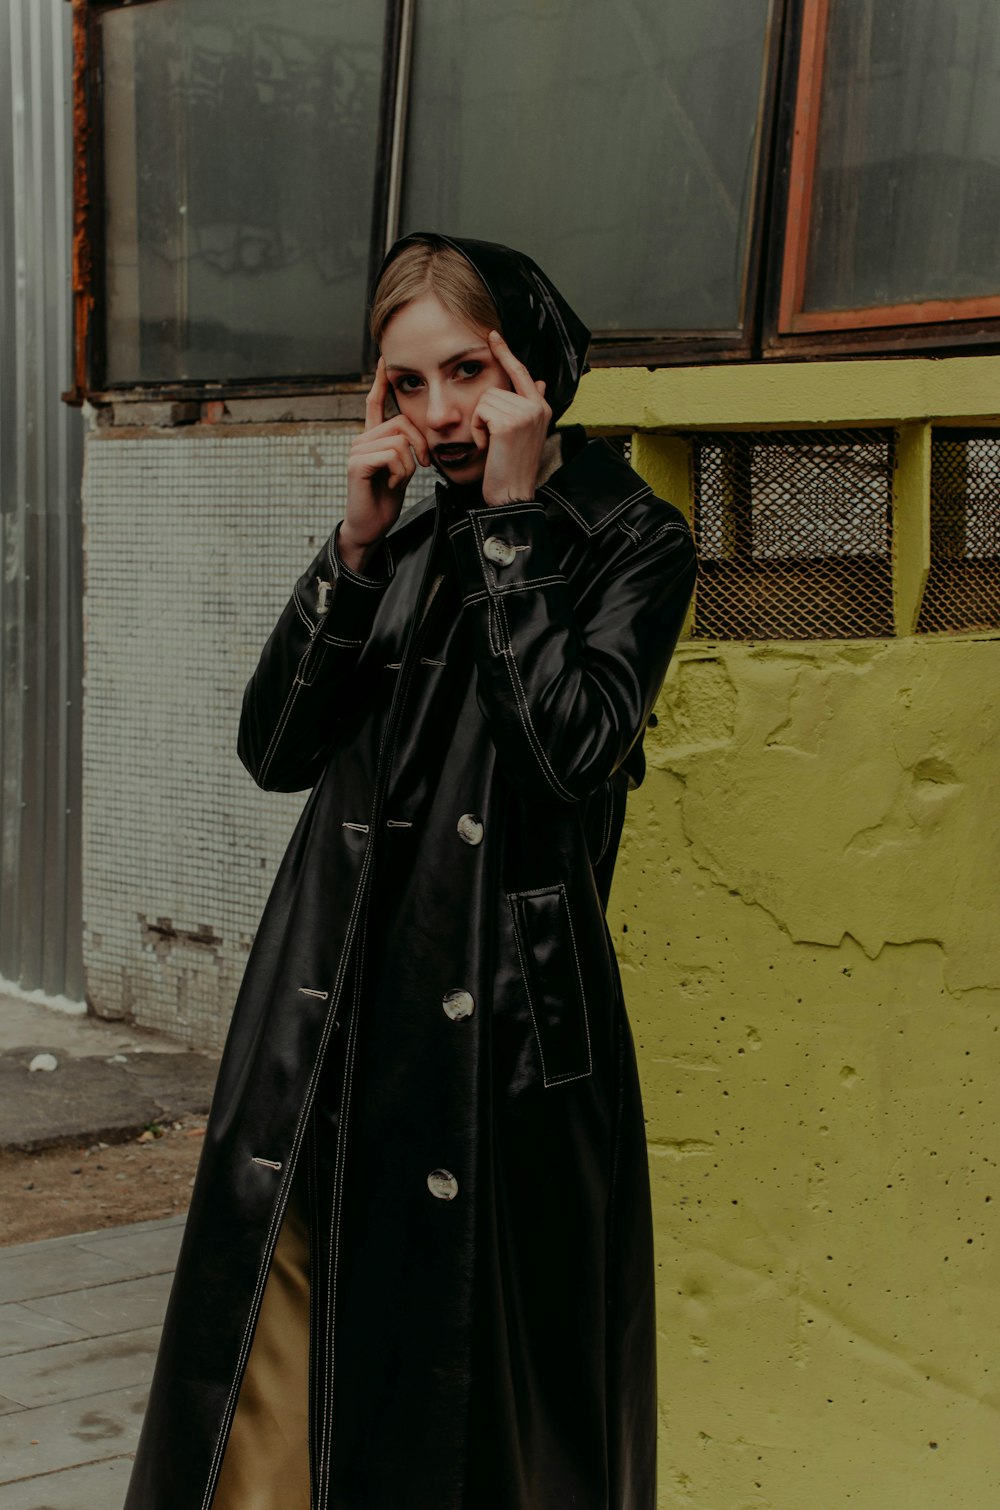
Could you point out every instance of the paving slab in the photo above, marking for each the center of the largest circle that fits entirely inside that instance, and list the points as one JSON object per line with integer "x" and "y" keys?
{"x": 25, "y": 1275}
{"x": 54, "y": 1437}
{"x": 71, "y": 1407}
{"x": 73, "y": 1370}
{"x": 96, "y": 1234}
{"x": 22, "y": 1328}
{"x": 139, "y": 1252}
{"x": 127, "y": 1305}
{"x": 95, "y": 1486}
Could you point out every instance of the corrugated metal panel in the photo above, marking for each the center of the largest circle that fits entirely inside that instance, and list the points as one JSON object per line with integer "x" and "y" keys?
{"x": 40, "y": 469}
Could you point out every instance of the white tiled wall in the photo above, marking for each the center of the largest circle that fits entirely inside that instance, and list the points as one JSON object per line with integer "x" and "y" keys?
{"x": 192, "y": 542}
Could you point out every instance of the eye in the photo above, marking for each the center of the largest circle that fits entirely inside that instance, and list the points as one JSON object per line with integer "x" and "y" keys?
{"x": 408, "y": 382}
{"x": 470, "y": 369}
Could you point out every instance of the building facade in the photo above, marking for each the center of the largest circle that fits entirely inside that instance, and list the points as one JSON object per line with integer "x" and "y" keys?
{"x": 781, "y": 220}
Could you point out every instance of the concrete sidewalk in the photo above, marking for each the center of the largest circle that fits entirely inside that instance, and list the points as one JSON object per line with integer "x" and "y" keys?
{"x": 109, "y": 1082}
{"x": 80, "y": 1319}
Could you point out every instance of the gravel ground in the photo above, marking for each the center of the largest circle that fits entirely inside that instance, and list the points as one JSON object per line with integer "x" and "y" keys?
{"x": 69, "y": 1190}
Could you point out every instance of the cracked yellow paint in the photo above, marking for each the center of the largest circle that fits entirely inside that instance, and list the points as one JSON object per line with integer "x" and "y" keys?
{"x": 863, "y": 391}
{"x": 806, "y": 914}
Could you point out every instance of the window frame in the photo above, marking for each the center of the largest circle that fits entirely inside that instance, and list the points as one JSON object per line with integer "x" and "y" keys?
{"x": 772, "y": 325}
{"x": 790, "y": 330}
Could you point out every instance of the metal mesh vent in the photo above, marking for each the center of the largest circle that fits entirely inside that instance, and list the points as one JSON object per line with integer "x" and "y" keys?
{"x": 794, "y": 533}
{"x": 963, "y": 587}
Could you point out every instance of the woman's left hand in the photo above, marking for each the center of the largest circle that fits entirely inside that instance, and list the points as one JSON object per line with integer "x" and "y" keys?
{"x": 512, "y": 424}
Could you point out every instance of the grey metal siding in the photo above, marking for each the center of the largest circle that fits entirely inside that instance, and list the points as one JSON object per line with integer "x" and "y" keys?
{"x": 40, "y": 547}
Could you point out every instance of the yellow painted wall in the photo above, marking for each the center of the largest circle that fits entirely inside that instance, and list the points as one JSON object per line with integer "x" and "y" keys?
{"x": 807, "y": 918}
{"x": 806, "y": 914}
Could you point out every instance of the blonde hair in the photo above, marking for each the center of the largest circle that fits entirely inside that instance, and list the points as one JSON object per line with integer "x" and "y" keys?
{"x": 425, "y": 266}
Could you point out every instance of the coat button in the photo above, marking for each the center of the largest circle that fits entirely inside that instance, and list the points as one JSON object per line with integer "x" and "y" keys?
{"x": 498, "y": 550}
{"x": 458, "y": 1005}
{"x": 443, "y": 1184}
{"x": 470, "y": 828}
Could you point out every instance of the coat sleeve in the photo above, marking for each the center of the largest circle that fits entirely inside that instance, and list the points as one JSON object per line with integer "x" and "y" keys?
{"x": 292, "y": 700}
{"x": 567, "y": 690}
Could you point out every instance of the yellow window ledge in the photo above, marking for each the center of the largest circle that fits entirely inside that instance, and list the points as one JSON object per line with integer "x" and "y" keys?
{"x": 950, "y": 390}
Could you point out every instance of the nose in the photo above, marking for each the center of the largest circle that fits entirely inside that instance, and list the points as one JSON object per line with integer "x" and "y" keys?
{"x": 442, "y": 411}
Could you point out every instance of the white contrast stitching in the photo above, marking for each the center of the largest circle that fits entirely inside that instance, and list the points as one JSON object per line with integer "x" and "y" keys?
{"x": 307, "y": 621}
{"x": 506, "y": 589}
{"x": 286, "y": 714}
{"x": 612, "y": 514}
{"x": 336, "y": 639}
{"x": 267, "y": 1163}
{"x": 525, "y": 715}
{"x": 282, "y": 1201}
{"x": 527, "y": 987}
{"x": 311, "y": 991}
{"x": 316, "y": 661}
{"x": 359, "y": 828}
{"x": 542, "y": 891}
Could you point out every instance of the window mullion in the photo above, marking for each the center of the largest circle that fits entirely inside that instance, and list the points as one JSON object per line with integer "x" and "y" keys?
{"x": 401, "y": 98}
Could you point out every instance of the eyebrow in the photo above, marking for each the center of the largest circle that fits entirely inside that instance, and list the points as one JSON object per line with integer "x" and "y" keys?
{"x": 448, "y": 361}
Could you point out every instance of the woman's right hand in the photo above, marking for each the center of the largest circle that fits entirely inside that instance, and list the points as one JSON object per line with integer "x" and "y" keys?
{"x": 383, "y": 459}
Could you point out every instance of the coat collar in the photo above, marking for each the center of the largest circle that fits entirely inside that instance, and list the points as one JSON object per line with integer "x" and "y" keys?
{"x": 594, "y": 484}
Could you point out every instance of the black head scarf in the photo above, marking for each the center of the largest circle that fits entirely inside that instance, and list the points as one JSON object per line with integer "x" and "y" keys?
{"x": 537, "y": 323}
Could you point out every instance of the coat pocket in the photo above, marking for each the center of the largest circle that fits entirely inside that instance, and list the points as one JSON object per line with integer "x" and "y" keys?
{"x": 553, "y": 981}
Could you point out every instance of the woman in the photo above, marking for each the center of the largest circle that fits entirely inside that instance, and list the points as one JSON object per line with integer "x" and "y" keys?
{"x": 425, "y": 1167}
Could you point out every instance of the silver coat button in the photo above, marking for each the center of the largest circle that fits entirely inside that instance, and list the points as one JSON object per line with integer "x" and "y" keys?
{"x": 458, "y": 1005}
{"x": 470, "y": 828}
{"x": 498, "y": 550}
{"x": 443, "y": 1184}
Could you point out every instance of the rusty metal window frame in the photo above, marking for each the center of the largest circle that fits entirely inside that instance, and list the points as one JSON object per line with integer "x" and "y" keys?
{"x": 789, "y": 330}
{"x": 89, "y": 307}
{"x": 787, "y": 111}
{"x": 638, "y": 347}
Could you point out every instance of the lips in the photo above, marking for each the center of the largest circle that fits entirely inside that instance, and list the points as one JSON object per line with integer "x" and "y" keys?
{"x": 453, "y": 456}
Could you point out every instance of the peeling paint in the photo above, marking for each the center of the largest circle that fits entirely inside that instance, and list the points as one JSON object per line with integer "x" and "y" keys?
{"x": 816, "y": 855}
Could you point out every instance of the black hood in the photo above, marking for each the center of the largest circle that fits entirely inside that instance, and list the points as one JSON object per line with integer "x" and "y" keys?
{"x": 538, "y": 324}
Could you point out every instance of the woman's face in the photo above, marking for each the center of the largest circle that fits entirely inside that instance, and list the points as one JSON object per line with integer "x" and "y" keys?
{"x": 439, "y": 368}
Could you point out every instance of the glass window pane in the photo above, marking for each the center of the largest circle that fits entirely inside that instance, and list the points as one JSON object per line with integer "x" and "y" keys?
{"x": 906, "y": 200}
{"x": 614, "y": 143}
{"x": 239, "y": 144}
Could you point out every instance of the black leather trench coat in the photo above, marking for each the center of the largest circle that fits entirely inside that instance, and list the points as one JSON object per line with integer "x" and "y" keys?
{"x": 432, "y": 1018}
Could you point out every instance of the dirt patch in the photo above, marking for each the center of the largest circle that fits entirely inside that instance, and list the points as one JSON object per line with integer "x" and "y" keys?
{"x": 70, "y": 1190}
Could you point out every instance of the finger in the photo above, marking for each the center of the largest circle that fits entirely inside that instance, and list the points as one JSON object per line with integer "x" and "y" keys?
{"x": 540, "y": 385}
{"x": 398, "y": 425}
{"x": 480, "y": 429}
{"x": 377, "y": 395}
{"x": 396, "y": 461}
{"x": 520, "y": 377}
{"x": 502, "y": 406}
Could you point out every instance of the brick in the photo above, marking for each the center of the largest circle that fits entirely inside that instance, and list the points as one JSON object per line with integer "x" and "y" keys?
{"x": 149, "y": 413}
